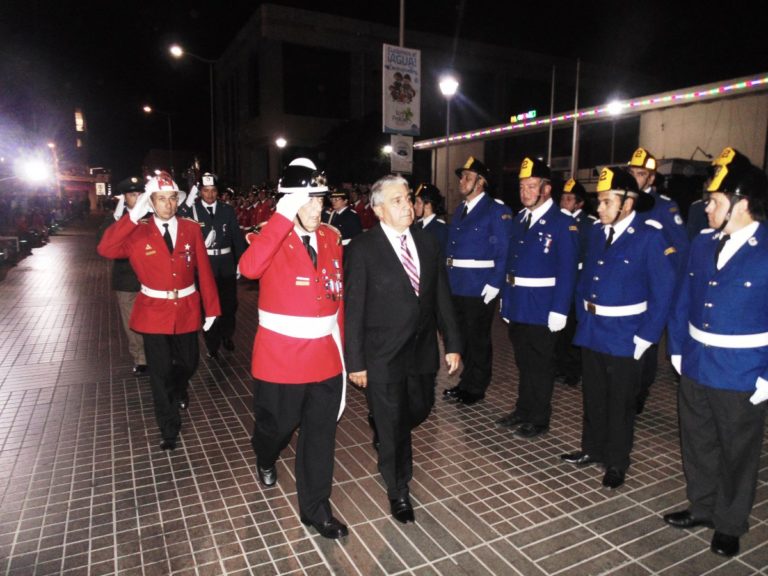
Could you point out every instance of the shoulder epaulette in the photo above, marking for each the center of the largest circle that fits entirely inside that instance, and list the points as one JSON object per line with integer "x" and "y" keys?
{"x": 655, "y": 224}
{"x": 331, "y": 227}
{"x": 499, "y": 201}
{"x": 441, "y": 220}
{"x": 188, "y": 219}
{"x": 665, "y": 197}
{"x": 596, "y": 222}
{"x": 707, "y": 231}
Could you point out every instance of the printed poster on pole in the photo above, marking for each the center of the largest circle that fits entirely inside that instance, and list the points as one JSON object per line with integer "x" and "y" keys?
{"x": 401, "y": 90}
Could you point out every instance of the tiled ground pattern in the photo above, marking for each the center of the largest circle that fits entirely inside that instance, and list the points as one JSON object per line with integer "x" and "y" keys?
{"x": 85, "y": 490}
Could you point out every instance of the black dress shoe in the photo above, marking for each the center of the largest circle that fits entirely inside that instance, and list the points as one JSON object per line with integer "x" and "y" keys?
{"x": 724, "y": 545}
{"x": 213, "y": 355}
{"x": 451, "y": 393}
{"x": 184, "y": 401}
{"x": 330, "y": 528}
{"x": 529, "y": 430}
{"x": 510, "y": 420}
{"x": 614, "y": 477}
{"x": 468, "y": 398}
{"x": 168, "y": 444}
{"x": 139, "y": 369}
{"x": 228, "y": 344}
{"x": 572, "y": 381}
{"x": 579, "y": 458}
{"x": 402, "y": 510}
{"x": 684, "y": 519}
{"x": 268, "y": 476}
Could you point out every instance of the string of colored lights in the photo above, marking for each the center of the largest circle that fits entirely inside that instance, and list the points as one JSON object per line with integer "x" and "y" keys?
{"x": 706, "y": 92}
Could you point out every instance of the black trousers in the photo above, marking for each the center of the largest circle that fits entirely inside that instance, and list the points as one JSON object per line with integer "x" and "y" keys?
{"x": 609, "y": 385}
{"x": 721, "y": 437}
{"x": 534, "y": 347}
{"x": 278, "y": 410}
{"x": 568, "y": 356}
{"x": 474, "y": 319}
{"x": 171, "y": 360}
{"x": 224, "y": 327}
{"x": 399, "y": 407}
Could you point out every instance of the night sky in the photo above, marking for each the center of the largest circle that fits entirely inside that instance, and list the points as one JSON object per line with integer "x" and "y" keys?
{"x": 112, "y": 56}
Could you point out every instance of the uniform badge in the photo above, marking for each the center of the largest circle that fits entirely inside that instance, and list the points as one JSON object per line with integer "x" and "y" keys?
{"x": 752, "y": 241}
{"x": 506, "y": 216}
{"x": 543, "y": 222}
{"x": 547, "y": 244}
{"x": 302, "y": 281}
{"x": 670, "y": 250}
{"x": 631, "y": 230}
{"x": 573, "y": 228}
{"x": 148, "y": 247}
{"x": 678, "y": 220}
{"x": 187, "y": 254}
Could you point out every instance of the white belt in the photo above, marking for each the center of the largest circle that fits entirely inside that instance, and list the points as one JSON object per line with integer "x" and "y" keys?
{"x": 218, "y": 251}
{"x": 307, "y": 327}
{"x": 168, "y": 294}
{"x": 457, "y": 263}
{"x": 615, "y": 311}
{"x": 513, "y": 280}
{"x": 728, "y": 340}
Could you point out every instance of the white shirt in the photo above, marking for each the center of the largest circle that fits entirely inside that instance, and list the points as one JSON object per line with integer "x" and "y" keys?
{"x": 206, "y": 206}
{"x": 736, "y": 241}
{"x": 173, "y": 227}
{"x": 619, "y": 228}
{"x": 428, "y": 219}
{"x": 538, "y": 212}
{"x": 394, "y": 238}
{"x": 312, "y": 236}
{"x": 472, "y": 203}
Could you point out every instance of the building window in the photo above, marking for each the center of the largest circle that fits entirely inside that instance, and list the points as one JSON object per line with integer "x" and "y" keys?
{"x": 315, "y": 81}
{"x": 79, "y": 142}
{"x": 79, "y": 120}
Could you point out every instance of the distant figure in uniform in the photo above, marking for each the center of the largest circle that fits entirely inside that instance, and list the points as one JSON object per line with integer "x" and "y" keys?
{"x": 342, "y": 217}
{"x": 666, "y": 212}
{"x": 623, "y": 295}
{"x": 478, "y": 242}
{"x": 537, "y": 295}
{"x": 297, "y": 355}
{"x": 168, "y": 255}
{"x": 224, "y": 244}
{"x": 718, "y": 338}
{"x": 124, "y": 282}
{"x": 429, "y": 205}
{"x": 573, "y": 201}
{"x": 397, "y": 297}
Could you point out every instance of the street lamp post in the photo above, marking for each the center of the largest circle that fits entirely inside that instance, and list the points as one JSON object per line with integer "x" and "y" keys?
{"x": 149, "y": 110}
{"x": 448, "y": 87}
{"x": 177, "y": 52}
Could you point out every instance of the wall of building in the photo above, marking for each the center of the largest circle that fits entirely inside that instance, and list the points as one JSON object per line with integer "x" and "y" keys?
{"x": 740, "y": 122}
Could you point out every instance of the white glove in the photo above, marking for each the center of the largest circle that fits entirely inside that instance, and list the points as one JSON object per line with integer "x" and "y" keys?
{"x": 209, "y": 320}
{"x": 120, "y": 207}
{"x": 191, "y": 197}
{"x": 489, "y": 293}
{"x": 140, "y": 209}
{"x": 556, "y": 322}
{"x": 640, "y": 346}
{"x": 289, "y": 204}
{"x": 761, "y": 392}
{"x": 677, "y": 362}
{"x": 210, "y": 239}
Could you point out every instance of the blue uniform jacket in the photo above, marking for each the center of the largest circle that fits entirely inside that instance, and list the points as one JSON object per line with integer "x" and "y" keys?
{"x": 666, "y": 212}
{"x": 482, "y": 235}
{"x": 640, "y": 266}
{"x": 550, "y": 249}
{"x": 438, "y": 229}
{"x": 731, "y": 301}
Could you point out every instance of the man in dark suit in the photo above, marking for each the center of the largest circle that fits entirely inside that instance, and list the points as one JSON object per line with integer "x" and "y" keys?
{"x": 342, "y": 217}
{"x": 397, "y": 296}
{"x": 225, "y": 244}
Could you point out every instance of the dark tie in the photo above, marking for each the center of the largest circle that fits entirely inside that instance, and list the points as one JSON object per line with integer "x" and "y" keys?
{"x": 464, "y": 212}
{"x": 409, "y": 264}
{"x": 723, "y": 239}
{"x": 167, "y": 238}
{"x": 609, "y": 239}
{"x": 210, "y": 210}
{"x": 527, "y": 222}
{"x": 310, "y": 250}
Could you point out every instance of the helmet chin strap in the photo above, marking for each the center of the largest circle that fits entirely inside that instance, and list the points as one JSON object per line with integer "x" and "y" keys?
{"x": 301, "y": 224}
{"x": 733, "y": 199}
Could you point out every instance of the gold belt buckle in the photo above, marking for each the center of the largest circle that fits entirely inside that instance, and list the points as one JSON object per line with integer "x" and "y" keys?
{"x": 591, "y": 308}
{"x": 449, "y": 262}
{"x": 173, "y": 294}
{"x": 511, "y": 279}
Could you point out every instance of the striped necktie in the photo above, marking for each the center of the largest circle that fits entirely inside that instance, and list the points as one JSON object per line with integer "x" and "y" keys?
{"x": 408, "y": 264}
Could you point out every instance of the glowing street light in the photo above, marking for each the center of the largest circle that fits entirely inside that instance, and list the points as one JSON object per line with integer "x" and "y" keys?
{"x": 34, "y": 171}
{"x": 281, "y": 142}
{"x": 177, "y": 52}
{"x": 615, "y": 108}
{"x": 386, "y": 149}
{"x": 448, "y": 87}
